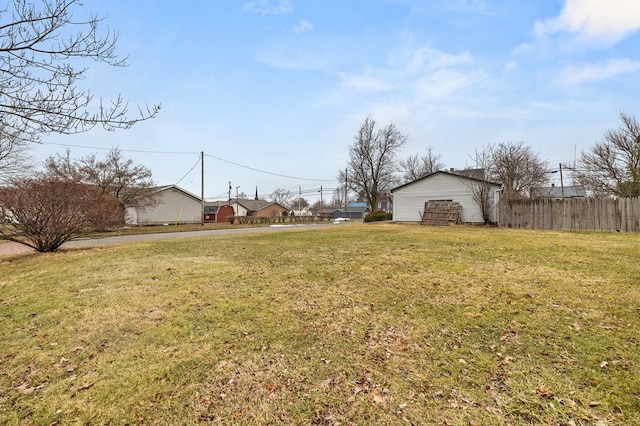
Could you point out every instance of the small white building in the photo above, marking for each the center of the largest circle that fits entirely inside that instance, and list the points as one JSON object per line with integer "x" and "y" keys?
{"x": 173, "y": 205}
{"x": 409, "y": 199}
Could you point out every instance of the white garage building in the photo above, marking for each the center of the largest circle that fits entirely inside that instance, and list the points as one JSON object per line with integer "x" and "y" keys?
{"x": 409, "y": 199}
{"x": 173, "y": 205}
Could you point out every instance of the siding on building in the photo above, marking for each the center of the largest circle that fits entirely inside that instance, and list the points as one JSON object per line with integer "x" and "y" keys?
{"x": 174, "y": 205}
{"x": 409, "y": 199}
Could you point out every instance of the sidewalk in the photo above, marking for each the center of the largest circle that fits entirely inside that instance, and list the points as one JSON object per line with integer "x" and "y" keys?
{"x": 9, "y": 247}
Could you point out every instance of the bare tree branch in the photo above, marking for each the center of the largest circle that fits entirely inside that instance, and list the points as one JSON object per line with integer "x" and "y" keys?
{"x": 372, "y": 164}
{"x": 415, "y": 167}
{"x": 517, "y": 168}
{"x": 612, "y": 167}
{"x": 116, "y": 176}
{"x": 40, "y": 46}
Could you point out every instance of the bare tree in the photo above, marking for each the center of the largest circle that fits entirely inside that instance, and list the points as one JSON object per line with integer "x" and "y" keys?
{"x": 299, "y": 203}
{"x": 115, "y": 175}
{"x": 612, "y": 167}
{"x": 282, "y": 197}
{"x": 14, "y": 158}
{"x": 45, "y": 213}
{"x": 479, "y": 182}
{"x": 372, "y": 163}
{"x": 41, "y": 47}
{"x": 517, "y": 168}
{"x": 337, "y": 199}
{"x": 415, "y": 167}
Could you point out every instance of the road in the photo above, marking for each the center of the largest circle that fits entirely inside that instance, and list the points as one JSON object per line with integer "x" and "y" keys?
{"x": 7, "y": 248}
{"x": 122, "y": 239}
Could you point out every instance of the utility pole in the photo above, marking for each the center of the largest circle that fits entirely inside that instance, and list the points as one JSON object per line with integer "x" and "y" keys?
{"x": 229, "y": 191}
{"x": 236, "y": 212}
{"x": 346, "y": 191}
{"x": 299, "y": 197}
{"x": 561, "y": 182}
{"x": 321, "y": 202}
{"x": 202, "y": 188}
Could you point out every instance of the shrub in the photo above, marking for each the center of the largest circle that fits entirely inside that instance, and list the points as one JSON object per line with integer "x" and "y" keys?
{"x": 377, "y": 216}
{"x": 45, "y": 213}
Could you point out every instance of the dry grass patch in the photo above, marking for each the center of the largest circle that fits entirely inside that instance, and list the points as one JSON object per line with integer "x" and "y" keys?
{"x": 360, "y": 324}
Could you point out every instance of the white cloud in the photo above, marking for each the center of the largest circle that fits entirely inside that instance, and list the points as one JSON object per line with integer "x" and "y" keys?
{"x": 410, "y": 79}
{"x": 572, "y": 75}
{"x": 606, "y": 21}
{"x": 364, "y": 83}
{"x": 302, "y": 26}
{"x": 268, "y": 7}
{"x": 511, "y": 66}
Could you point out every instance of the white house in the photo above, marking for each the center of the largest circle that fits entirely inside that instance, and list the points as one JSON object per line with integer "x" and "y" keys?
{"x": 172, "y": 205}
{"x": 409, "y": 199}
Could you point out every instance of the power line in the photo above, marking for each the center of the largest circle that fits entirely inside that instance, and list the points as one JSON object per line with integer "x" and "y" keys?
{"x": 119, "y": 149}
{"x": 268, "y": 173}
{"x": 190, "y": 153}
{"x": 190, "y": 170}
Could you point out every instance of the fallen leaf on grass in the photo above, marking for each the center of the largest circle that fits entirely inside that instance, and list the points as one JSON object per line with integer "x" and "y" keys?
{"x": 25, "y": 389}
{"x": 378, "y": 399}
{"x": 271, "y": 387}
{"x": 544, "y": 392}
{"x": 85, "y": 386}
{"x": 509, "y": 335}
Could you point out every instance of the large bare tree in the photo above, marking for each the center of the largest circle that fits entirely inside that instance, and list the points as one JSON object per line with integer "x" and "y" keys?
{"x": 372, "y": 160}
{"x": 114, "y": 175}
{"x": 45, "y": 213}
{"x": 282, "y": 196}
{"x": 612, "y": 166}
{"x": 517, "y": 168}
{"x": 416, "y": 166}
{"x": 43, "y": 55}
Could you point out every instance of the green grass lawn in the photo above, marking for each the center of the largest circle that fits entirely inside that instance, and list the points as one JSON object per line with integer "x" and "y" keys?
{"x": 359, "y": 324}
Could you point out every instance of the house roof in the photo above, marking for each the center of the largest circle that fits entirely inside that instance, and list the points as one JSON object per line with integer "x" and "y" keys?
{"x": 214, "y": 208}
{"x": 440, "y": 172}
{"x": 559, "y": 192}
{"x": 256, "y": 205}
{"x": 159, "y": 189}
{"x": 358, "y": 206}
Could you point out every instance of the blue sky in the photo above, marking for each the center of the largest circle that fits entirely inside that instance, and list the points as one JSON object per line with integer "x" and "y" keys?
{"x": 282, "y": 85}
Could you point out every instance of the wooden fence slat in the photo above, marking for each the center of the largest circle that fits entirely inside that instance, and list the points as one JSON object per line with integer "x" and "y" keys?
{"x": 598, "y": 214}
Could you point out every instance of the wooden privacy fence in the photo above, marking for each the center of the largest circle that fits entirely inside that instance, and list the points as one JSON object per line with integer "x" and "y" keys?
{"x": 597, "y": 214}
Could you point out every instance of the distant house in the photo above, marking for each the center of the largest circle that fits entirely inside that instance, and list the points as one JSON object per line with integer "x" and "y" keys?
{"x": 258, "y": 208}
{"x": 575, "y": 191}
{"x": 172, "y": 205}
{"x": 305, "y": 211}
{"x": 324, "y": 213}
{"x": 384, "y": 202}
{"x": 217, "y": 211}
{"x": 409, "y": 200}
{"x": 355, "y": 210}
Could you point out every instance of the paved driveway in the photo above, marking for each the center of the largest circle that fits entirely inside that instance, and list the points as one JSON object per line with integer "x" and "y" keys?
{"x": 14, "y": 248}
